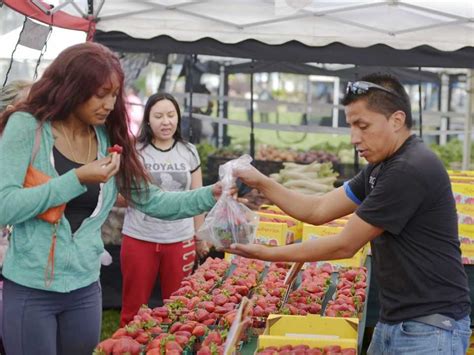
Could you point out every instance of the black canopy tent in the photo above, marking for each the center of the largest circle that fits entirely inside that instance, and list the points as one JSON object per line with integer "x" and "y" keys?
{"x": 160, "y": 46}
{"x": 293, "y": 51}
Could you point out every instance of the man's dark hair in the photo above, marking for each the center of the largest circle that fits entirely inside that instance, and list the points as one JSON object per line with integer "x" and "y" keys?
{"x": 382, "y": 101}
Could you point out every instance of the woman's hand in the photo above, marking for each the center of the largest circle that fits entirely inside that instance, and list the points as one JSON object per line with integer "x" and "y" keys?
{"x": 250, "y": 176}
{"x": 100, "y": 170}
{"x": 202, "y": 248}
{"x": 217, "y": 190}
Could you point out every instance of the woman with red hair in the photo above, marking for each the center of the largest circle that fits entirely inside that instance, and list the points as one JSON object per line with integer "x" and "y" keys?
{"x": 52, "y": 295}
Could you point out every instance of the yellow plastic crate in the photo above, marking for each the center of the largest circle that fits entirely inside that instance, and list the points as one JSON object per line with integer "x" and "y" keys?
{"x": 311, "y": 324}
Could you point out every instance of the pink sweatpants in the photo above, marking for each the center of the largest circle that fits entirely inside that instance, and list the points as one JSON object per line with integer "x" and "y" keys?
{"x": 143, "y": 262}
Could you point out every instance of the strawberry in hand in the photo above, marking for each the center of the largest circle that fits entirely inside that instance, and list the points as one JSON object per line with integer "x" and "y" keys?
{"x": 115, "y": 149}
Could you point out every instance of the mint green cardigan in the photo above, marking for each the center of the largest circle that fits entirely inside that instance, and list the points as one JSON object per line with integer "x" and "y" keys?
{"x": 77, "y": 256}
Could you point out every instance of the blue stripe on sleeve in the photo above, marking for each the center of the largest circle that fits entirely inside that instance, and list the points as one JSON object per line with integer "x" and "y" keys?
{"x": 350, "y": 194}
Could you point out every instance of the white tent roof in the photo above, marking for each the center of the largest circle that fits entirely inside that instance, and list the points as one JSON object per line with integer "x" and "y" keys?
{"x": 443, "y": 24}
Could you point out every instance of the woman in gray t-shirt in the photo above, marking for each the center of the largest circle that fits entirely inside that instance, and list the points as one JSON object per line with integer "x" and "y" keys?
{"x": 153, "y": 248}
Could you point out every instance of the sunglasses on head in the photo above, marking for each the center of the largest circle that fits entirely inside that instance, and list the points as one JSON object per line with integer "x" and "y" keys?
{"x": 363, "y": 87}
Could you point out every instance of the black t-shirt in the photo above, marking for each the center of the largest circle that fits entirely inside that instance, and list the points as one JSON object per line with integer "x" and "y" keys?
{"x": 81, "y": 207}
{"x": 417, "y": 259}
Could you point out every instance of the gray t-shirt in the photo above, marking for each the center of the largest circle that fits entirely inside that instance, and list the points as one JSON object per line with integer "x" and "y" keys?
{"x": 171, "y": 171}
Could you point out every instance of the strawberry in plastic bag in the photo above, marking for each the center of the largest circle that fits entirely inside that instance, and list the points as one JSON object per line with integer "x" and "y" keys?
{"x": 229, "y": 221}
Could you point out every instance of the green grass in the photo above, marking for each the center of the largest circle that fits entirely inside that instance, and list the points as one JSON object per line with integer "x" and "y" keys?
{"x": 297, "y": 140}
{"x": 110, "y": 323}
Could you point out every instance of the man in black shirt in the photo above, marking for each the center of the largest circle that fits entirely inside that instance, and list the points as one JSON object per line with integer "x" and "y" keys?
{"x": 404, "y": 207}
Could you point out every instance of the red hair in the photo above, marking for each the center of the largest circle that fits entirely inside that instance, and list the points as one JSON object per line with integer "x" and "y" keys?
{"x": 70, "y": 80}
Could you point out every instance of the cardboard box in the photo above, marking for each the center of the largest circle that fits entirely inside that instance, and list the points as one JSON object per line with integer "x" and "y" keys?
{"x": 271, "y": 233}
{"x": 463, "y": 192}
{"x": 465, "y": 212}
{"x": 312, "y": 330}
{"x": 311, "y": 232}
{"x": 467, "y": 251}
{"x": 466, "y": 233}
{"x": 271, "y": 208}
{"x": 267, "y": 340}
{"x": 465, "y": 209}
{"x": 461, "y": 173}
{"x": 295, "y": 227}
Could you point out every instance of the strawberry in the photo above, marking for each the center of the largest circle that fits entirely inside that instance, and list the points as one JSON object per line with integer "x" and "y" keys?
{"x": 126, "y": 345}
{"x": 154, "y": 344}
{"x": 208, "y": 306}
{"x": 115, "y": 149}
{"x": 172, "y": 345}
{"x": 183, "y": 333}
{"x": 186, "y": 328}
{"x": 119, "y": 333}
{"x": 181, "y": 340}
{"x": 156, "y": 330}
{"x": 209, "y": 321}
{"x": 205, "y": 350}
{"x": 314, "y": 351}
{"x": 314, "y": 308}
{"x": 213, "y": 337}
{"x": 220, "y": 299}
{"x": 133, "y": 330}
{"x": 332, "y": 349}
{"x": 199, "y": 331}
{"x": 202, "y": 315}
{"x": 143, "y": 338}
{"x": 105, "y": 347}
{"x": 175, "y": 327}
{"x": 155, "y": 351}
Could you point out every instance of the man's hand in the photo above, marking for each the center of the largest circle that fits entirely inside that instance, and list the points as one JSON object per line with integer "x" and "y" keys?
{"x": 251, "y": 251}
{"x": 251, "y": 176}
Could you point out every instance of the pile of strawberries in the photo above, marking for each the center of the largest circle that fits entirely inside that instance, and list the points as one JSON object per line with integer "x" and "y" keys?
{"x": 306, "y": 350}
{"x": 350, "y": 294}
{"x": 308, "y": 297}
{"x": 176, "y": 326}
{"x": 196, "y": 318}
{"x": 267, "y": 296}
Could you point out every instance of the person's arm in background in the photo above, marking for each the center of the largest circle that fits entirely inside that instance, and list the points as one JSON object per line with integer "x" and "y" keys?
{"x": 307, "y": 208}
{"x": 201, "y": 246}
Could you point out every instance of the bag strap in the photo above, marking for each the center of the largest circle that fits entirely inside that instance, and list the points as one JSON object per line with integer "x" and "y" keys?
{"x": 37, "y": 142}
{"x": 49, "y": 270}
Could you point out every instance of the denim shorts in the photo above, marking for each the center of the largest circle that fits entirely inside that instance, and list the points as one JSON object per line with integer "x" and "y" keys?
{"x": 415, "y": 338}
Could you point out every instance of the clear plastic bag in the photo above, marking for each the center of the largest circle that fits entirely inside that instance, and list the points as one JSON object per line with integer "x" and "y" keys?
{"x": 229, "y": 221}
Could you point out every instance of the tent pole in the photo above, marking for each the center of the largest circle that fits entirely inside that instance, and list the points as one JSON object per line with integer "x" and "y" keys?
{"x": 226, "y": 138}
{"x": 190, "y": 73}
{"x": 444, "y": 106}
{"x": 220, "y": 126}
{"x": 466, "y": 156}
{"x": 356, "y": 153}
{"x": 420, "y": 104}
{"x": 90, "y": 7}
{"x": 252, "y": 136}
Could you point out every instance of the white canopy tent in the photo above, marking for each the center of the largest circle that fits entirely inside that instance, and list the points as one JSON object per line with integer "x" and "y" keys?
{"x": 444, "y": 24}
{"x": 414, "y": 33}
